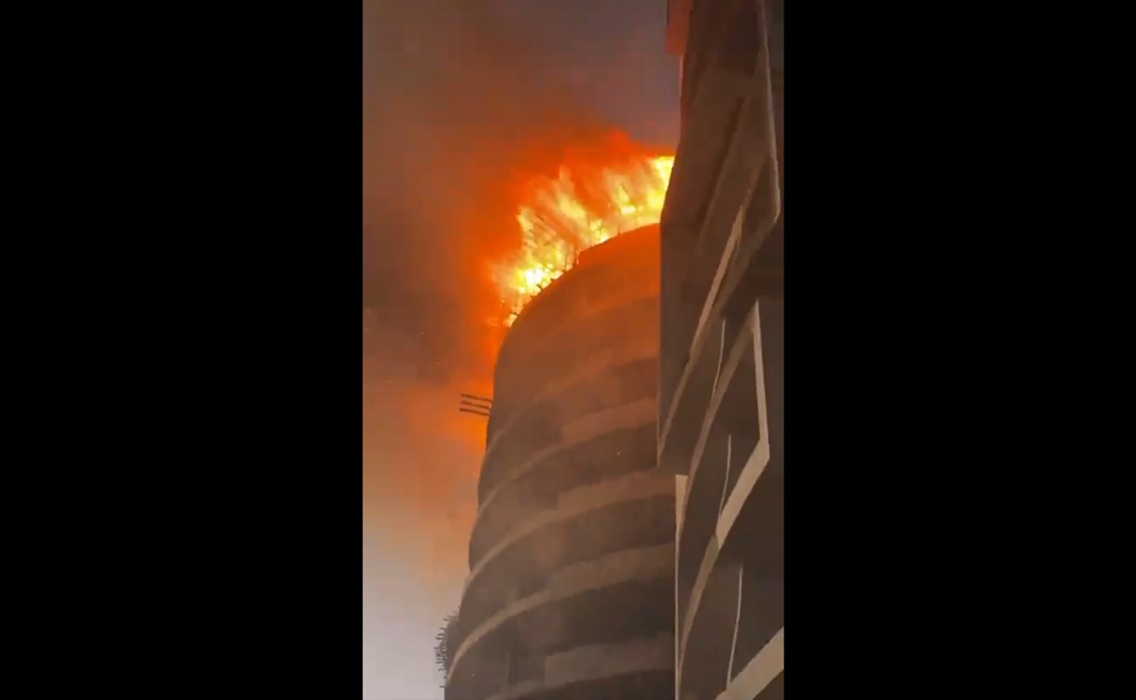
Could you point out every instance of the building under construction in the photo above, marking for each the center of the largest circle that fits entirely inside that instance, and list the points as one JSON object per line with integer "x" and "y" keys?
{"x": 571, "y": 585}
{"x": 721, "y": 349}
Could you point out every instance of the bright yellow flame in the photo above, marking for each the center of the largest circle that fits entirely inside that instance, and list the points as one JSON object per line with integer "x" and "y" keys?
{"x": 571, "y": 213}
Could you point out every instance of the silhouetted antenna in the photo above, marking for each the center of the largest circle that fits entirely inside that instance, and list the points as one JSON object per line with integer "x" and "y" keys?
{"x": 477, "y": 405}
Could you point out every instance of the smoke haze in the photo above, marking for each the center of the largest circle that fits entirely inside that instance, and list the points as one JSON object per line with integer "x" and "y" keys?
{"x": 461, "y": 100}
{"x": 454, "y": 111}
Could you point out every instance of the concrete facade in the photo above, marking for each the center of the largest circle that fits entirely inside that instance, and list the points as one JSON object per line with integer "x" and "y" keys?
{"x": 571, "y": 585}
{"x": 722, "y": 349}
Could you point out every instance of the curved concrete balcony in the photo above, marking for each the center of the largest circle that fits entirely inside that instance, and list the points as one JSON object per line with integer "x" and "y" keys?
{"x": 574, "y": 434}
{"x": 572, "y": 552}
{"x": 606, "y": 277}
{"x": 525, "y": 348}
{"x": 610, "y": 570}
{"x": 581, "y": 505}
{"x": 593, "y": 367}
{"x": 606, "y": 663}
{"x": 541, "y": 367}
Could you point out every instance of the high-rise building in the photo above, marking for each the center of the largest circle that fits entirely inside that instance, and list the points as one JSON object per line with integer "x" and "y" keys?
{"x": 571, "y": 585}
{"x": 721, "y": 349}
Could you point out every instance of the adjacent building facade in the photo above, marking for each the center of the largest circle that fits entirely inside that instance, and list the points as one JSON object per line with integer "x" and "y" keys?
{"x": 721, "y": 349}
{"x": 571, "y": 585}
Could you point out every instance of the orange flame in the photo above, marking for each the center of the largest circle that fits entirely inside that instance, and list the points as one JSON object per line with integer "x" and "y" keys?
{"x": 583, "y": 206}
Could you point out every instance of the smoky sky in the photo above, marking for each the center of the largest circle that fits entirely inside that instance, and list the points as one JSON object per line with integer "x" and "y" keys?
{"x": 460, "y": 98}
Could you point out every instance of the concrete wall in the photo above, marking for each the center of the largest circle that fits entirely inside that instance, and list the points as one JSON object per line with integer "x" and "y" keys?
{"x": 571, "y": 589}
{"x": 721, "y": 352}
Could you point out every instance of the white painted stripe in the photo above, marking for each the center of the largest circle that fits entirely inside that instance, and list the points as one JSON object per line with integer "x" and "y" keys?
{"x": 751, "y": 472}
{"x": 737, "y": 624}
{"x": 735, "y": 145}
{"x": 724, "y": 261}
{"x": 694, "y": 600}
{"x": 709, "y": 418}
{"x": 726, "y": 482}
{"x": 760, "y": 456}
{"x": 680, "y": 502}
{"x": 759, "y": 672}
{"x": 721, "y": 351}
{"x": 736, "y": 351}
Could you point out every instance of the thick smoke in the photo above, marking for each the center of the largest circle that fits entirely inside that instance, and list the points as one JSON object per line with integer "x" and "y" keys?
{"x": 464, "y": 101}
{"x": 457, "y": 107}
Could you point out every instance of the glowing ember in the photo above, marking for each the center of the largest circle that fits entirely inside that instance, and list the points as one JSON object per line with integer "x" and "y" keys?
{"x": 583, "y": 207}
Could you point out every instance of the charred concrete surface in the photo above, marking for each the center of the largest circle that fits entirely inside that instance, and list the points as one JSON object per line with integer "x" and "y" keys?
{"x": 721, "y": 349}
{"x": 571, "y": 585}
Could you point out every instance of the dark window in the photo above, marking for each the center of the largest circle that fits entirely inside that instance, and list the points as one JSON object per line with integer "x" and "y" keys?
{"x": 740, "y": 46}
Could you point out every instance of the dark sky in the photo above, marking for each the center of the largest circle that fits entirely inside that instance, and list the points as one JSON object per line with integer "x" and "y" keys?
{"x": 460, "y": 97}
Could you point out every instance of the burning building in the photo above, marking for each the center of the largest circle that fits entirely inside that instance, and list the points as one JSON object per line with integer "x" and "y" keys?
{"x": 571, "y": 585}
{"x": 721, "y": 349}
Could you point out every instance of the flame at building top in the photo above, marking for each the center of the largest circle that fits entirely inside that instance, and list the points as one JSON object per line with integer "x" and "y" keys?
{"x": 594, "y": 197}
